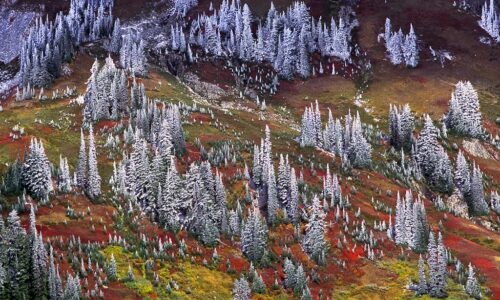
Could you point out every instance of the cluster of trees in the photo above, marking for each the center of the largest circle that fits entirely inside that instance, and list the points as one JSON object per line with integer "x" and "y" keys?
{"x": 107, "y": 93}
{"x": 254, "y": 236}
{"x": 274, "y": 194}
{"x": 490, "y": 20}
{"x": 161, "y": 127}
{"x": 314, "y": 241}
{"x": 26, "y": 271}
{"x": 401, "y": 126}
{"x": 472, "y": 286}
{"x": 295, "y": 278}
{"x": 87, "y": 174}
{"x": 432, "y": 159}
{"x": 51, "y": 43}
{"x": 348, "y": 140}
{"x": 36, "y": 172}
{"x": 26, "y": 93}
{"x": 181, "y": 7}
{"x": 435, "y": 284}
{"x": 331, "y": 189}
{"x": 132, "y": 56}
{"x": 464, "y": 115}
{"x": 64, "y": 181}
{"x": 241, "y": 289}
{"x": 411, "y": 227}
{"x": 470, "y": 185}
{"x": 401, "y": 48}
{"x": 285, "y": 39}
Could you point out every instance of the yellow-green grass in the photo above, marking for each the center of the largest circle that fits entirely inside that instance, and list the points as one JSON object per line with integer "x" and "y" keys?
{"x": 194, "y": 281}
{"x": 388, "y": 279}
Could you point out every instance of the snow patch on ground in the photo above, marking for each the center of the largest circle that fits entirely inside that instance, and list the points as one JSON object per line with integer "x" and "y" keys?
{"x": 13, "y": 25}
{"x": 8, "y": 85}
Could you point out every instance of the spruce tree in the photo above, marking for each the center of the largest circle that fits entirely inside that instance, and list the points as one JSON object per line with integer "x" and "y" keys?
{"x": 36, "y": 172}
{"x": 314, "y": 242}
{"x": 241, "y": 289}
{"x": 93, "y": 187}
{"x": 477, "y": 204}
{"x": 254, "y": 237}
{"x": 472, "y": 287}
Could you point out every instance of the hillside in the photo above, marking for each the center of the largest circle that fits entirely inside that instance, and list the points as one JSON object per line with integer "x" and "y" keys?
{"x": 227, "y": 150}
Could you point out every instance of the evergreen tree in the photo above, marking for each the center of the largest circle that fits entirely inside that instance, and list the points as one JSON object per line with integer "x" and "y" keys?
{"x": 254, "y": 237}
{"x": 241, "y": 289}
{"x": 462, "y": 175}
{"x": 472, "y": 287}
{"x": 422, "y": 281}
{"x": 289, "y": 271}
{"x": 410, "y": 49}
{"x": 464, "y": 115}
{"x": 395, "y": 48}
{"x": 314, "y": 242}
{"x": 93, "y": 188}
{"x": 272, "y": 197}
{"x": 36, "y": 172}
{"x": 433, "y": 160}
{"x": 490, "y": 20}
{"x": 64, "y": 180}
{"x": 112, "y": 269}
{"x": 116, "y": 37}
{"x": 292, "y": 207}
{"x": 477, "y": 204}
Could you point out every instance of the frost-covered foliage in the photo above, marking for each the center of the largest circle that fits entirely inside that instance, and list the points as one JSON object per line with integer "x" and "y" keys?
{"x": 107, "y": 95}
{"x": 470, "y": 184}
{"x": 51, "y": 43}
{"x": 254, "y": 236}
{"x": 314, "y": 242}
{"x": 490, "y": 20}
{"x": 432, "y": 159}
{"x": 13, "y": 24}
{"x": 347, "y": 140}
{"x": 411, "y": 227}
{"x": 284, "y": 39}
{"x": 401, "y": 126}
{"x": 37, "y": 172}
{"x": 464, "y": 115}
{"x": 435, "y": 283}
{"x": 401, "y": 48}
{"x": 26, "y": 270}
{"x": 181, "y": 7}
{"x": 132, "y": 57}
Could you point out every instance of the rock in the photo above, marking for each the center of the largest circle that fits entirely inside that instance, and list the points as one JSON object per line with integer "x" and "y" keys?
{"x": 456, "y": 204}
{"x": 204, "y": 89}
{"x": 475, "y": 148}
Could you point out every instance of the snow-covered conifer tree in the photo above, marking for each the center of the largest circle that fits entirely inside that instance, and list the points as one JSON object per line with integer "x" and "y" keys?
{"x": 464, "y": 115}
{"x": 36, "y": 172}
{"x": 472, "y": 287}
{"x": 314, "y": 243}
{"x": 93, "y": 182}
{"x": 254, "y": 236}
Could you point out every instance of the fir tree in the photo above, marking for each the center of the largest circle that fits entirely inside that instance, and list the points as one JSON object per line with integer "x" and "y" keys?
{"x": 314, "y": 242}
{"x": 36, "y": 172}
{"x": 93, "y": 187}
{"x": 472, "y": 287}
{"x": 241, "y": 289}
{"x": 477, "y": 204}
{"x": 254, "y": 237}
